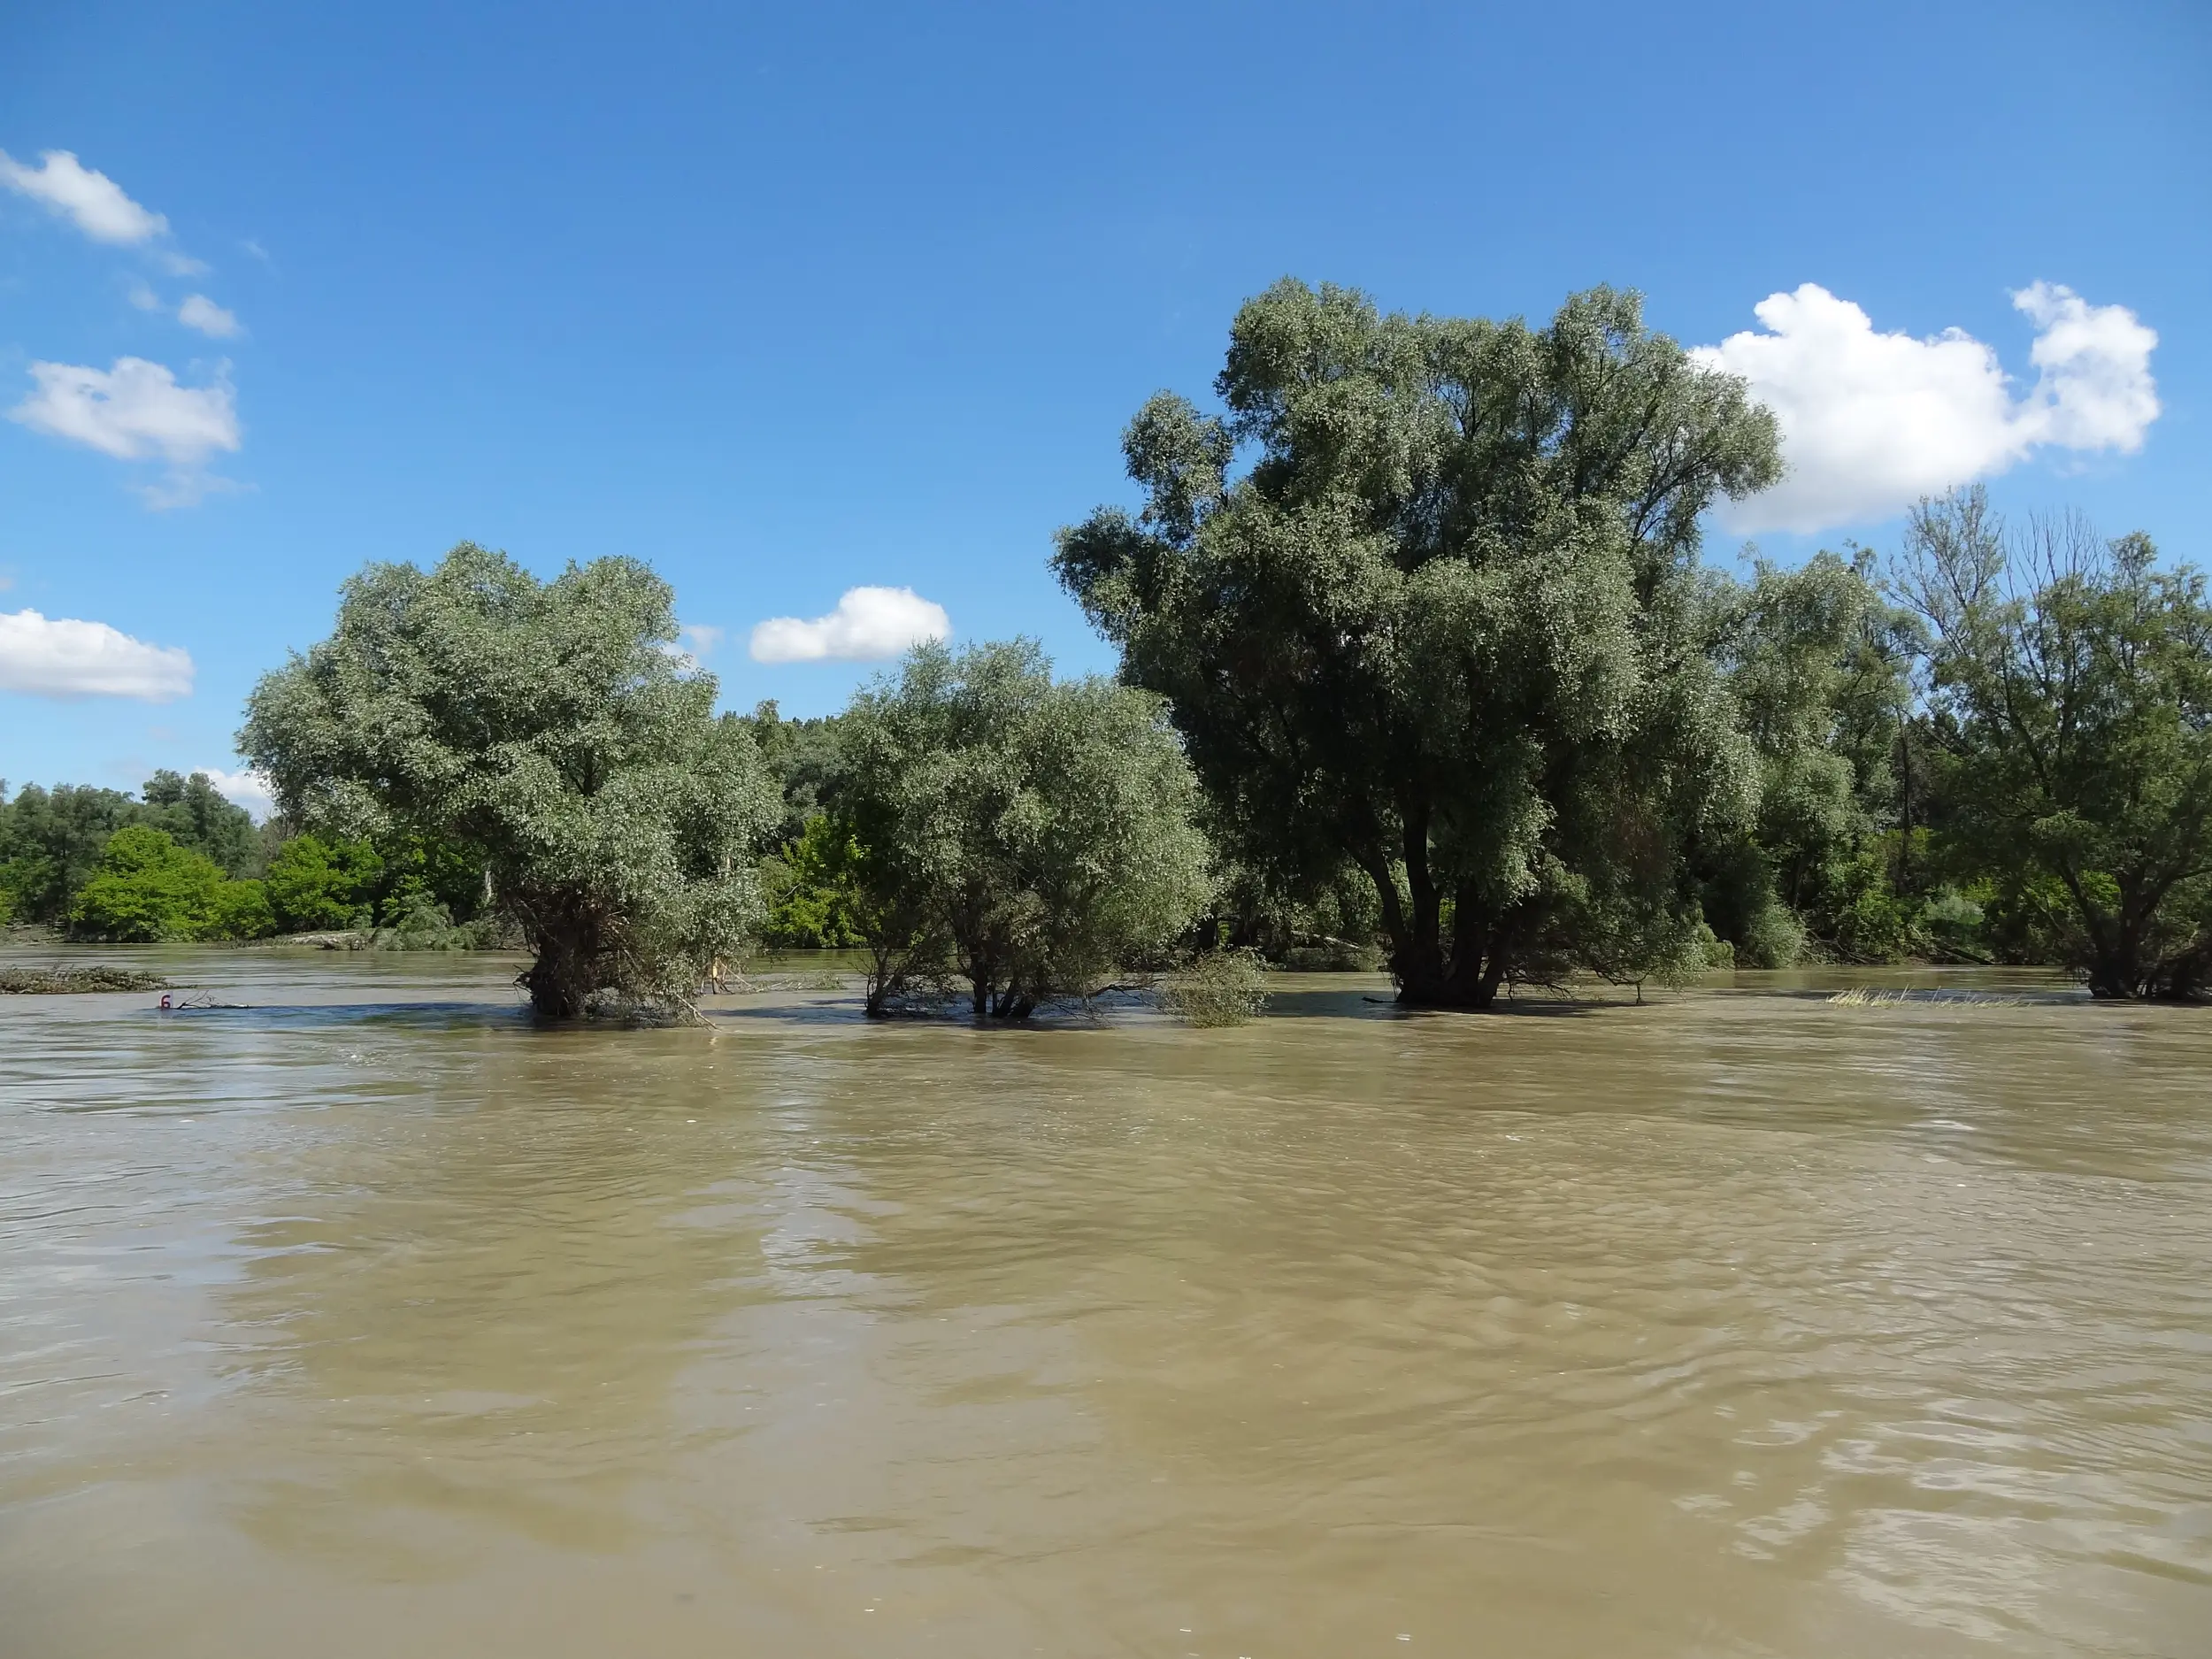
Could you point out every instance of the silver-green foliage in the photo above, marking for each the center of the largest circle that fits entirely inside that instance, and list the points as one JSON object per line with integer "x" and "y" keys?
{"x": 551, "y": 727}
{"x": 1026, "y": 836}
{"x": 1448, "y": 625}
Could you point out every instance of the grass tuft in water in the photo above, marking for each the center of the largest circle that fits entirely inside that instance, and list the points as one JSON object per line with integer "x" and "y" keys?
{"x": 1869, "y": 996}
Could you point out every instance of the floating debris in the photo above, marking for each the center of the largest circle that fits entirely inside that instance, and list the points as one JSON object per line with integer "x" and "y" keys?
{"x": 65, "y": 982}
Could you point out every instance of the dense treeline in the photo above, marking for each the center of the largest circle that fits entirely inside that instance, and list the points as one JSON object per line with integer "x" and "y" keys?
{"x": 52, "y": 840}
{"x": 1420, "y": 667}
{"x": 179, "y": 862}
{"x": 1987, "y": 749}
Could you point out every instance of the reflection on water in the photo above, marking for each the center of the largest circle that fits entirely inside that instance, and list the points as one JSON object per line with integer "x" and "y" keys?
{"x": 367, "y": 1319}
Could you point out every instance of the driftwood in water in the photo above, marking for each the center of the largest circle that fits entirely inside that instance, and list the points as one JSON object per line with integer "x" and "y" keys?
{"x": 62, "y": 980}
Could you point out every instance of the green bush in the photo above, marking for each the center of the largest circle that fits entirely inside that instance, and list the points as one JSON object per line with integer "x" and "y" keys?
{"x": 415, "y": 921}
{"x": 241, "y": 910}
{"x": 318, "y": 882}
{"x": 1869, "y": 919}
{"x": 1772, "y": 937}
{"x": 813, "y": 889}
{"x": 1953, "y": 922}
{"x": 194, "y": 814}
{"x": 146, "y": 887}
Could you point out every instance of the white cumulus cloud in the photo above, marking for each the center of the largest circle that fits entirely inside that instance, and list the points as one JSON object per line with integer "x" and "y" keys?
{"x": 868, "y": 624}
{"x": 133, "y": 412}
{"x": 203, "y": 313}
{"x": 61, "y": 657}
{"x": 245, "y": 788}
{"x": 2094, "y": 389}
{"x": 1871, "y": 422}
{"x": 94, "y": 201}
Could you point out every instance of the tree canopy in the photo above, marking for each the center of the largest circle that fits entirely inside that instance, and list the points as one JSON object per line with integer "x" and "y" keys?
{"x": 551, "y": 729}
{"x": 1024, "y": 836}
{"x": 2071, "y": 682}
{"x": 1819, "y": 663}
{"x": 194, "y": 814}
{"x": 317, "y": 881}
{"x": 1448, "y": 625}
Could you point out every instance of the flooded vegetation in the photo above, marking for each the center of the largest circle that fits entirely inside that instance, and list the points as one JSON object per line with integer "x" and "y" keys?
{"x": 368, "y": 1318}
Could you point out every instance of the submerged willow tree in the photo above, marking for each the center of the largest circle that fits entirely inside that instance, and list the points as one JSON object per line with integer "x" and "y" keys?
{"x": 1449, "y": 626}
{"x": 550, "y": 728}
{"x": 1026, "y": 835}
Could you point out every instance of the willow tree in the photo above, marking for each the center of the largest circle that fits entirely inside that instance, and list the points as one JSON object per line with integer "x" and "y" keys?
{"x": 1447, "y": 624}
{"x": 1026, "y": 835}
{"x": 549, "y": 728}
{"x": 2072, "y": 683}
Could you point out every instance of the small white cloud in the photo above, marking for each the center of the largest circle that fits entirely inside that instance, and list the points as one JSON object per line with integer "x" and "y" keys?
{"x": 63, "y": 658}
{"x": 256, "y": 250}
{"x": 203, "y": 313}
{"x": 2095, "y": 390}
{"x": 93, "y": 200}
{"x": 133, "y": 412}
{"x": 1871, "y": 422}
{"x": 868, "y": 624}
{"x": 183, "y": 263}
{"x": 145, "y": 298}
{"x": 693, "y": 641}
{"x": 186, "y": 486}
{"x": 246, "y": 788}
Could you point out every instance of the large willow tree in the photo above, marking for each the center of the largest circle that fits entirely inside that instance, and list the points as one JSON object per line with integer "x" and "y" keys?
{"x": 550, "y": 729}
{"x": 1448, "y": 625}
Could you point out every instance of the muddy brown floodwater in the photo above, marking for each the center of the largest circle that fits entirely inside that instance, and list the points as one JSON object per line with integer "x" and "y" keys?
{"x": 366, "y": 1320}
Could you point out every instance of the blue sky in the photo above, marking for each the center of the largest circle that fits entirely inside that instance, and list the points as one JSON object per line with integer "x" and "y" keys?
{"x": 791, "y": 301}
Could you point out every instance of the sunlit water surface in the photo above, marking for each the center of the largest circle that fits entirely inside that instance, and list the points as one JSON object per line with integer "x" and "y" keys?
{"x": 366, "y": 1320}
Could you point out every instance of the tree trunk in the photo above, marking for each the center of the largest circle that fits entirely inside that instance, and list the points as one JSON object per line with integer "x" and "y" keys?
{"x": 1472, "y": 977}
{"x": 568, "y": 969}
{"x": 2117, "y": 969}
{"x": 1475, "y": 992}
{"x": 1480, "y": 955}
{"x": 2183, "y": 979}
{"x": 2110, "y": 982}
{"x": 1476, "y": 971}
